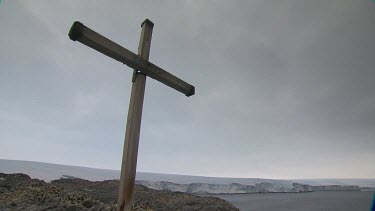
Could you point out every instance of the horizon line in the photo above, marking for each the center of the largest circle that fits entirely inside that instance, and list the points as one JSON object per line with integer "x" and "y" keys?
{"x": 363, "y": 178}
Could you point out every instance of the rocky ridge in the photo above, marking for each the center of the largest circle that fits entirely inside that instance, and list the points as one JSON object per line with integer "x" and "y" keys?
{"x": 20, "y": 192}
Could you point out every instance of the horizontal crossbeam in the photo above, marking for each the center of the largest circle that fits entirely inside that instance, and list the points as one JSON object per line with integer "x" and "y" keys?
{"x": 81, "y": 33}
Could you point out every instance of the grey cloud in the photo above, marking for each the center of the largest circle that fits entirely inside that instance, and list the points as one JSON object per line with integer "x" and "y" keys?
{"x": 284, "y": 88}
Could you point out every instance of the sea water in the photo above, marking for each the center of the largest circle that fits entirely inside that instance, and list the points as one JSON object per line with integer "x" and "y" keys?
{"x": 313, "y": 201}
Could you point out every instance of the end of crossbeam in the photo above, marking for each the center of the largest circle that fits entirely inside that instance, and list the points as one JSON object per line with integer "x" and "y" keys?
{"x": 76, "y": 30}
{"x": 192, "y": 91}
{"x": 147, "y": 21}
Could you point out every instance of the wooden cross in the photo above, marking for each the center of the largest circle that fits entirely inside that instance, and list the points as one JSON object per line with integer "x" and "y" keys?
{"x": 142, "y": 68}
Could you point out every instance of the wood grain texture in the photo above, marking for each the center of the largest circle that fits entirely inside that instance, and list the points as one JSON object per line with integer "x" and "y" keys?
{"x": 133, "y": 126}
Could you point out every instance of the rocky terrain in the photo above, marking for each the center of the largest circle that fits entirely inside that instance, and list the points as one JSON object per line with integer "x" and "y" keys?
{"x": 20, "y": 192}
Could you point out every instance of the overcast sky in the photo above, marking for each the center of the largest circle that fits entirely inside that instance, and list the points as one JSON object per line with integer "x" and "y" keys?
{"x": 284, "y": 89}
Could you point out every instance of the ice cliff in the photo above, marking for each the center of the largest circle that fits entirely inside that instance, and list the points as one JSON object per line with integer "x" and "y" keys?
{"x": 205, "y": 188}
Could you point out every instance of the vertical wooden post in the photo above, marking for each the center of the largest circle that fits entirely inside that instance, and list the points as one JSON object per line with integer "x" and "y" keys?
{"x": 133, "y": 125}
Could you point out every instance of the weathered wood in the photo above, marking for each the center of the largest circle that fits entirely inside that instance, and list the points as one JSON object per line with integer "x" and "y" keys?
{"x": 142, "y": 67}
{"x": 133, "y": 125}
{"x": 102, "y": 44}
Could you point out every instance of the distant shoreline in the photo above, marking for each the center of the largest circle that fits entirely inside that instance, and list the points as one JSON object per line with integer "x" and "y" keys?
{"x": 186, "y": 183}
{"x": 305, "y": 192}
